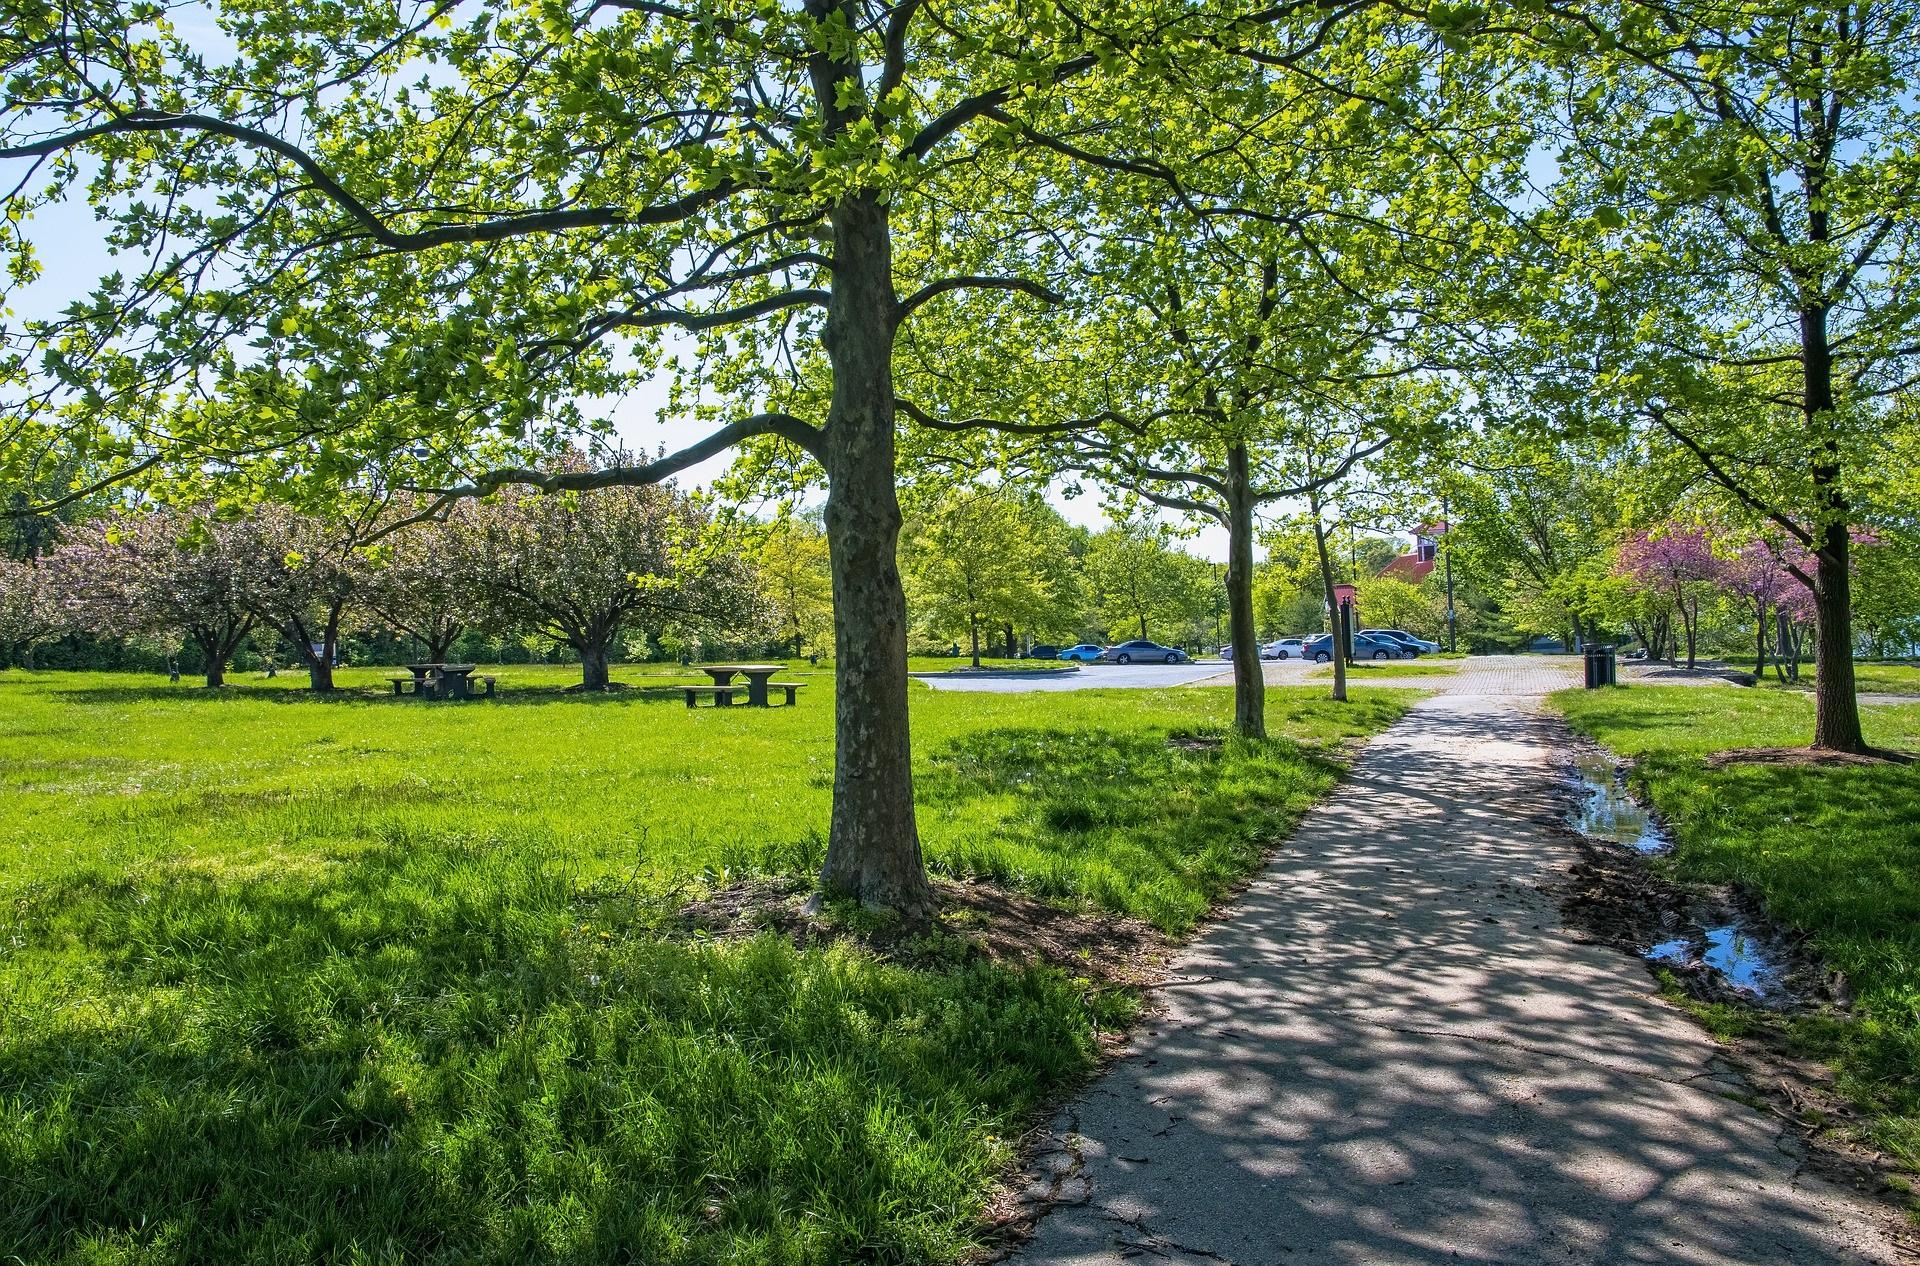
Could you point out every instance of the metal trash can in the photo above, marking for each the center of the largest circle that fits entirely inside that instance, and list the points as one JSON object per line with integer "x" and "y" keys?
{"x": 1602, "y": 664}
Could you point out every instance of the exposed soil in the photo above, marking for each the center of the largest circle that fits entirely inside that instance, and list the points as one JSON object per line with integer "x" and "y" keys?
{"x": 991, "y": 922}
{"x": 1807, "y": 757}
{"x": 1615, "y": 897}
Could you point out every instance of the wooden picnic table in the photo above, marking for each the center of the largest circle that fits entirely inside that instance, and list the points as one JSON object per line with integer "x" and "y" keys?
{"x": 757, "y": 675}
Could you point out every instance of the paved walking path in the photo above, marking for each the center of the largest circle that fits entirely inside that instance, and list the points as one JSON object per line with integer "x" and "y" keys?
{"x": 1392, "y": 1053}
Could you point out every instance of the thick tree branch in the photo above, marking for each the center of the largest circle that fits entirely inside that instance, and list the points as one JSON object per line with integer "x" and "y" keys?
{"x": 784, "y": 425}
{"x": 934, "y": 290}
{"x": 370, "y": 221}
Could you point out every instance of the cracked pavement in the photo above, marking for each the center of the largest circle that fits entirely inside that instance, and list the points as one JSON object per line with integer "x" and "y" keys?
{"x": 1392, "y": 1052}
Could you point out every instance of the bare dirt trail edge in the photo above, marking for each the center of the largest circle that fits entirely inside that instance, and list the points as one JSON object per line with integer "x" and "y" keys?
{"x": 1392, "y": 1052}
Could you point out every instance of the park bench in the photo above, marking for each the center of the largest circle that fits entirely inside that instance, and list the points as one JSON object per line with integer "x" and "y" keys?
{"x": 791, "y": 687}
{"x": 407, "y": 685}
{"x": 722, "y": 695}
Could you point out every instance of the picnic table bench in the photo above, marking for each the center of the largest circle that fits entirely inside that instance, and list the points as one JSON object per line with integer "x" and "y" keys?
{"x": 759, "y": 684}
{"x": 442, "y": 681}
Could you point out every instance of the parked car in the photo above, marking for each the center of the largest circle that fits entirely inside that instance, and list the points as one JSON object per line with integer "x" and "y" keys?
{"x": 1143, "y": 650}
{"x": 1041, "y": 650}
{"x": 1285, "y": 648}
{"x": 1267, "y": 651}
{"x": 1419, "y": 644}
{"x": 1085, "y": 653}
{"x": 1365, "y": 646}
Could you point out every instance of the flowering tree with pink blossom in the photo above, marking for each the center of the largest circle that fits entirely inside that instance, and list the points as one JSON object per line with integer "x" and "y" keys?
{"x": 303, "y": 579}
{"x": 1677, "y": 561}
{"x": 168, "y": 573}
{"x": 30, "y": 608}
{"x": 424, "y": 582}
{"x": 1760, "y": 576}
{"x": 582, "y": 568}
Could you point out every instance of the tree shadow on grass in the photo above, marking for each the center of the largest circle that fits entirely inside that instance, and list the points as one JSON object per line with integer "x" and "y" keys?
{"x": 465, "y": 1055}
{"x": 365, "y": 696}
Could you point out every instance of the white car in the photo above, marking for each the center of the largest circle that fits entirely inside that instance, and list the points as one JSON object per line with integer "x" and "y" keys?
{"x": 1284, "y": 648}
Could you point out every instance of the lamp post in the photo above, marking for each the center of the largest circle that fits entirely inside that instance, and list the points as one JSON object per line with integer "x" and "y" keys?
{"x": 1343, "y": 597}
{"x": 1446, "y": 563}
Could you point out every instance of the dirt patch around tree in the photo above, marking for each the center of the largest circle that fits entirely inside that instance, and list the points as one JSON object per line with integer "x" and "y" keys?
{"x": 1805, "y": 757}
{"x": 987, "y": 920}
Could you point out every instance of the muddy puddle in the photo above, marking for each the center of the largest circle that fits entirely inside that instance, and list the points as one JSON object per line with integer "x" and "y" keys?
{"x": 1743, "y": 958}
{"x": 1605, "y": 810}
{"x": 1707, "y": 938}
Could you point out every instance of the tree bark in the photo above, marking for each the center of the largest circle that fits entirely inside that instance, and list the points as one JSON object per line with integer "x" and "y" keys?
{"x": 215, "y": 659}
{"x": 873, "y": 844}
{"x": 1339, "y": 656}
{"x": 437, "y": 648}
{"x": 594, "y": 672}
{"x": 973, "y": 635}
{"x": 1249, "y": 679}
{"x": 1836, "y": 709}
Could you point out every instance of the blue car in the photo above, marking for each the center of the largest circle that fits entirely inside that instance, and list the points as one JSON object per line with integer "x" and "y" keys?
{"x": 1085, "y": 653}
{"x": 1365, "y": 646}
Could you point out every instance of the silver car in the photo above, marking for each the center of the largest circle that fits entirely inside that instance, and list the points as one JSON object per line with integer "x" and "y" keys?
{"x": 1140, "y": 650}
{"x": 1284, "y": 648}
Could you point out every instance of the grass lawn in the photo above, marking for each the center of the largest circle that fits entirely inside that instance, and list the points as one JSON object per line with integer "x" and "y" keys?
{"x": 285, "y": 978}
{"x": 1833, "y": 852}
{"x": 1892, "y": 679}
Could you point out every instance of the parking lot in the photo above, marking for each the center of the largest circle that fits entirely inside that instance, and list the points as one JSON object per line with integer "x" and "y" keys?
{"x": 1089, "y": 677}
{"x": 1480, "y": 675}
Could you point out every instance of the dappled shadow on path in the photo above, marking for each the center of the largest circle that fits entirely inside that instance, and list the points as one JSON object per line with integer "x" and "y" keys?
{"x": 1392, "y": 1054}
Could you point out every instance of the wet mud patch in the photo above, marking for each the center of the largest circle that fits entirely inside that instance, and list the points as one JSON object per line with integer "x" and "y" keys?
{"x": 977, "y": 920}
{"x": 1713, "y": 942}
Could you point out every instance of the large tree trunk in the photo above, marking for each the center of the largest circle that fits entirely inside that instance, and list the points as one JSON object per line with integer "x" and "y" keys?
{"x": 1013, "y": 650}
{"x": 1836, "y": 709}
{"x": 873, "y": 845}
{"x": 594, "y": 672}
{"x": 438, "y": 645}
{"x": 1249, "y": 679}
{"x": 973, "y": 637}
{"x": 213, "y": 655}
{"x": 1339, "y": 656}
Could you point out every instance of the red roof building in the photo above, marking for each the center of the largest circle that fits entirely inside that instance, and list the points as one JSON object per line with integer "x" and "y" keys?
{"x": 1417, "y": 566}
